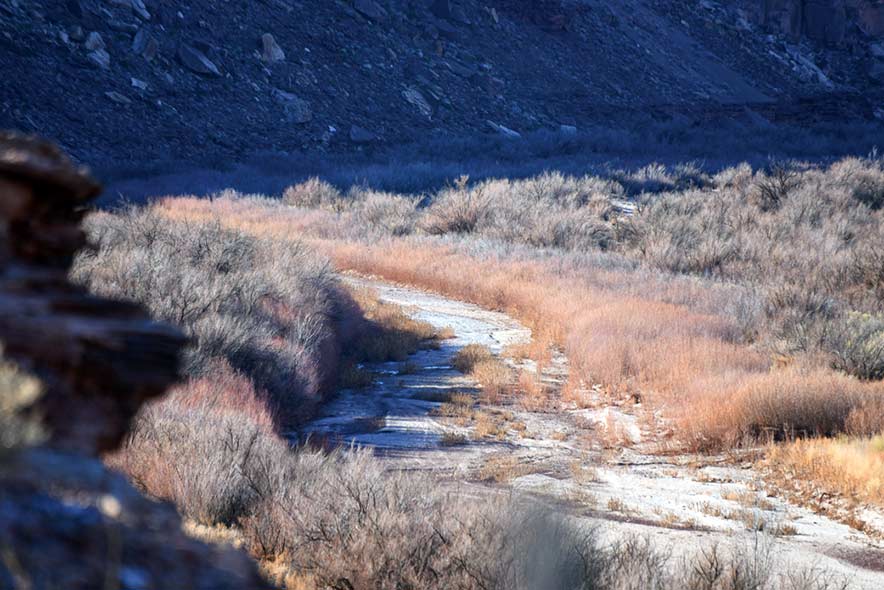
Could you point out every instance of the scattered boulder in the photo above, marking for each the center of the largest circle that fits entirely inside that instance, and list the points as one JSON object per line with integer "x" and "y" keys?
{"x": 196, "y": 61}
{"x": 370, "y": 9}
{"x": 568, "y": 129}
{"x": 95, "y": 41}
{"x": 100, "y": 57}
{"x": 272, "y": 52}
{"x": 140, "y": 9}
{"x": 297, "y": 110}
{"x": 136, "y": 6}
{"x": 139, "y": 84}
{"x": 504, "y": 131}
{"x": 117, "y": 97}
{"x": 76, "y": 33}
{"x": 144, "y": 44}
{"x": 361, "y": 135}
{"x": 122, "y": 27}
{"x": 414, "y": 97}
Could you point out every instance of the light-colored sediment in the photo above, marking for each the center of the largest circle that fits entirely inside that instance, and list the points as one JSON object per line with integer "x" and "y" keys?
{"x": 596, "y": 463}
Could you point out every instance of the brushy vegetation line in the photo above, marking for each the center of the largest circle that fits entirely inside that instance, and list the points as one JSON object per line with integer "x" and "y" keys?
{"x": 270, "y": 326}
{"x": 745, "y": 304}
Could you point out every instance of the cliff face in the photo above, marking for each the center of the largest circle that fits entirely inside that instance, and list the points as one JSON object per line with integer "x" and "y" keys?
{"x": 825, "y": 21}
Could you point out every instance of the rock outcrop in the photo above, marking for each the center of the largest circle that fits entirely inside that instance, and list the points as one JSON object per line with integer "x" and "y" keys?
{"x": 99, "y": 359}
{"x": 66, "y": 521}
{"x": 825, "y": 21}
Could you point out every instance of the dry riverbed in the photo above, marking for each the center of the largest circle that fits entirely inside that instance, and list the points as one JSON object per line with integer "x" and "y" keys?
{"x": 599, "y": 462}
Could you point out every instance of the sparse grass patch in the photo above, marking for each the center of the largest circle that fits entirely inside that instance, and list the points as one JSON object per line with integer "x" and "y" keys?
{"x": 618, "y": 505}
{"x": 452, "y": 439}
{"x": 459, "y": 405}
{"x": 466, "y": 359}
{"x": 851, "y": 467}
{"x": 488, "y": 425}
{"x": 583, "y": 473}
{"x": 504, "y": 468}
{"x": 494, "y": 377}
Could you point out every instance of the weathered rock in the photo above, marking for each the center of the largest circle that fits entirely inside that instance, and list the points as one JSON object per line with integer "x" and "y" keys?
{"x": 271, "y": 51}
{"x": 76, "y": 33}
{"x": 196, "y": 61}
{"x": 361, "y": 135}
{"x": 144, "y": 44}
{"x": 97, "y": 531}
{"x": 99, "y": 359}
{"x": 417, "y": 100}
{"x": 75, "y": 8}
{"x": 68, "y": 520}
{"x": 136, "y": 6}
{"x": 95, "y": 41}
{"x": 122, "y": 27}
{"x": 100, "y": 57}
{"x": 296, "y": 109}
{"x": 504, "y": 131}
{"x": 370, "y": 9}
{"x": 447, "y": 30}
{"x": 117, "y": 97}
{"x": 140, "y": 9}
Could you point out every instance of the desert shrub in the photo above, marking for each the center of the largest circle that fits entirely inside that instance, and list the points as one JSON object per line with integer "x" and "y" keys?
{"x": 735, "y": 177}
{"x": 858, "y": 346}
{"x": 459, "y": 209}
{"x": 656, "y": 178}
{"x": 771, "y": 189}
{"x": 348, "y": 521}
{"x": 264, "y": 308}
{"x": 866, "y": 419}
{"x": 315, "y": 193}
{"x": 384, "y": 213}
{"x": 865, "y": 177}
{"x": 192, "y": 457}
{"x": 466, "y": 359}
{"x": 793, "y": 402}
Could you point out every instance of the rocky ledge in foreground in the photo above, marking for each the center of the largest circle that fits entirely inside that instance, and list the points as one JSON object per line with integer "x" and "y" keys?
{"x": 65, "y": 520}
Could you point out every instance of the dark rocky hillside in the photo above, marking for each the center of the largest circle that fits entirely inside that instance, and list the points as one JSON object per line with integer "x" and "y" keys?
{"x": 207, "y": 81}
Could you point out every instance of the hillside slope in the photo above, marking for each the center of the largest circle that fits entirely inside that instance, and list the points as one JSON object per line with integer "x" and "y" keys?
{"x": 205, "y": 81}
